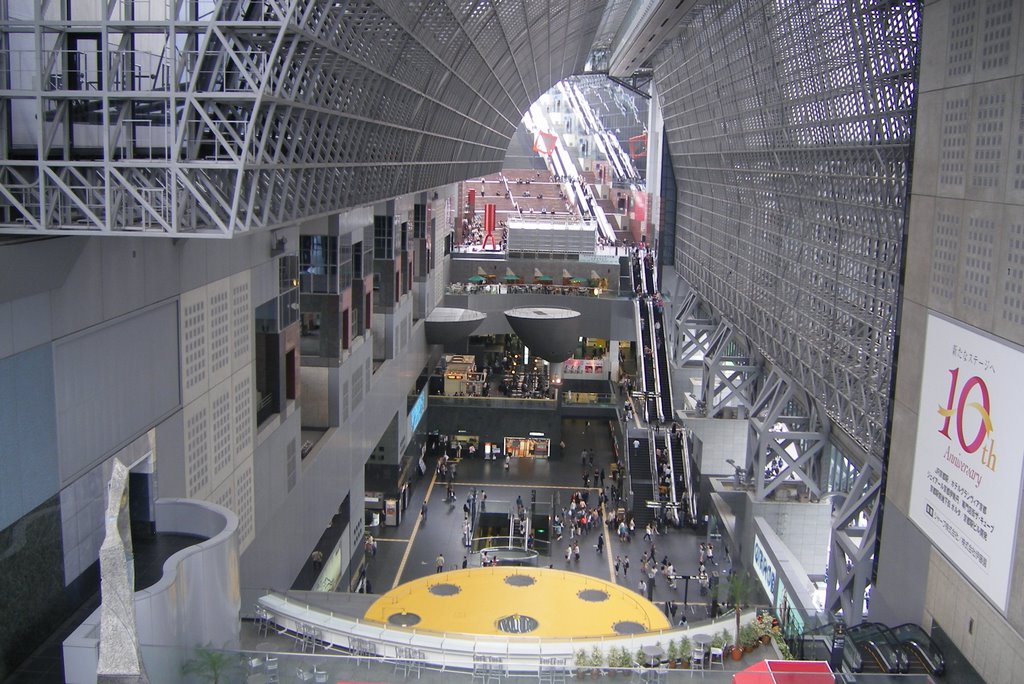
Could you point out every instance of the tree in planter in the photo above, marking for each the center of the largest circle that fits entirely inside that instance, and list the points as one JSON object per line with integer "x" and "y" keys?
{"x": 738, "y": 590}
{"x": 582, "y": 662}
{"x": 622, "y": 659}
{"x": 673, "y": 652}
{"x": 209, "y": 664}
{"x": 685, "y": 651}
{"x": 596, "y": 659}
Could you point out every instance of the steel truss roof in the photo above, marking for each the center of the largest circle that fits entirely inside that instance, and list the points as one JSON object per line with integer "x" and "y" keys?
{"x": 215, "y": 117}
{"x": 789, "y": 125}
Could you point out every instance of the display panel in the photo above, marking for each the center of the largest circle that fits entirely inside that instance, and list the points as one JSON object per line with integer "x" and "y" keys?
{"x": 527, "y": 447}
{"x": 965, "y": 492}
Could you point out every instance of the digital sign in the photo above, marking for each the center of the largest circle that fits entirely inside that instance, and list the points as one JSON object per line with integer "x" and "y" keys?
{"x": 417, "y": 411}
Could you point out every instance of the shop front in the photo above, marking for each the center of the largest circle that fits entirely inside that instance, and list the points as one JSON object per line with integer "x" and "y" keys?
{"x": 533, "y": 446}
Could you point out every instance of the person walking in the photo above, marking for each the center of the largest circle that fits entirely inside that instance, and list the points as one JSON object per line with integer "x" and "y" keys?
{"x": 439, "y": 561}
{"x": 600, "y": 544}
{"x": 465, "y": 562}
{"x": 423, "y": 512}
{"x": 618, "y": 565}
{"x": 625, "y": 566}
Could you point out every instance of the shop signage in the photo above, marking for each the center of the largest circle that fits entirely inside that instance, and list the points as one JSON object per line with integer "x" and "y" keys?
{"x": 764, "y": 569}
{"x": 966, "y": 482}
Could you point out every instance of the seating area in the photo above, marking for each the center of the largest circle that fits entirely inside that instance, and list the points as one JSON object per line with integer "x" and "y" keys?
{"x": 488, "y": 668}
{"x": 408, "y": 661}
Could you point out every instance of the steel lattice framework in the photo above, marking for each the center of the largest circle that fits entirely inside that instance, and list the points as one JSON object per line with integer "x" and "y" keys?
{"x": 789, "y": 123}
{"x": 210, "y": 117}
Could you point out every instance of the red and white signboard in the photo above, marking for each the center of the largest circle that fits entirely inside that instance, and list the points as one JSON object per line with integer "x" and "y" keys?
{"x": 966, "y": 486}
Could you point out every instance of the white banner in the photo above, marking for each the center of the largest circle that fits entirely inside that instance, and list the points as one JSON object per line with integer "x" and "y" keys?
{"x": 966, "y": 486}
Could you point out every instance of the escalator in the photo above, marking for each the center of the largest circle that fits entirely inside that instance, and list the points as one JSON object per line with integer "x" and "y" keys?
{"x": 661, "y": 357}
{"x": 879, "y": 649}
{"x": 816, "y": 644}
{"x": 648, "y": 379}
{"x": 679, "y": 452}
{"x": 665, "y": 477}
{"x": 641, "y": 478}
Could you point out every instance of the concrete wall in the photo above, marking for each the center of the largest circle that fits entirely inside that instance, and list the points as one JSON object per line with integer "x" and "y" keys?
{"x": 964, "y": 260}
{"x": 103, "y": 341}
{"x": 721, "y": 439}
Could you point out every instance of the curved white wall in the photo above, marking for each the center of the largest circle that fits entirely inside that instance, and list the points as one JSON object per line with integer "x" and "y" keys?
{"x": 195, "y": 602}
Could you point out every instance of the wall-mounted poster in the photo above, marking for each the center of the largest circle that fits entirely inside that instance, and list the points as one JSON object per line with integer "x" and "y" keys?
{"x": 966, "y": 484}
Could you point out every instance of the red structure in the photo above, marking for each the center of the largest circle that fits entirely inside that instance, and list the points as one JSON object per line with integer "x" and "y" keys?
{"x": 545, "y": 143}
{"x": 786, "y": 672}
{"x": 638, "y": 146}
{"x": 490, "y": 223}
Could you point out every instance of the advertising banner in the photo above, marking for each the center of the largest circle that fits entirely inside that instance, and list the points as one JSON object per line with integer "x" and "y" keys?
{"x": 764, "y": 568}
{"x": 965, "y": 493}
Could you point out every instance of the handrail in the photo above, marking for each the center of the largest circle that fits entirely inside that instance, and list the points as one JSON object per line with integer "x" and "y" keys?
{"x": 521, "y": 654}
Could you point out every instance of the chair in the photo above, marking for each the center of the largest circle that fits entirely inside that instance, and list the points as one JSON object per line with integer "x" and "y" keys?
{"x": 307, "y": 637}
{"x": 697, "y": 659}
{"x": 409, "y": 660}
{"x": 487, "y": 669}
{"x": 262, "y": 621}
{"x": 303, "y": 675}
{"x": 319, "y": 675}
{"x": 270, "y": 668}
{"x": 553, "y": 671}
{"x": 717, "y": 657}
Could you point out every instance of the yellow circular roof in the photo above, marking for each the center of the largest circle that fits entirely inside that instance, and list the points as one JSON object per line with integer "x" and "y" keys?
{"x": 507, "y": 601}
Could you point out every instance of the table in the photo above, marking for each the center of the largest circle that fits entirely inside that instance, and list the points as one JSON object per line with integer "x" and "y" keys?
{"x": 702, "y": 640}
{"x": 653, "y": 653}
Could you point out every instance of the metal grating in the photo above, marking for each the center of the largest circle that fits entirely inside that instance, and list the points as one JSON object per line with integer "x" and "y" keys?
{"x": 789, "y": 125}
{"x": 219, "y": 116}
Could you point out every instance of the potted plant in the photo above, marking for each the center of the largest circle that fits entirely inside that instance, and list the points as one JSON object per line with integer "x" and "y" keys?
{"x": 596, "y": 660}
{"x": 620, "y": 660}
{"x": 673, "y": 653}
{"x": 764, "y": 628}
{"x": 613, "y": 661}
{"x": 748, "y": 637}
{"x": 209, "y": 665}
{"x": 582, "y": 662}
{"x": 685, "y": 651}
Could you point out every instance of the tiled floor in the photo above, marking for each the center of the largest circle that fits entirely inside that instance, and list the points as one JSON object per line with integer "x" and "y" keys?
{"x": 418, "y": 544}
